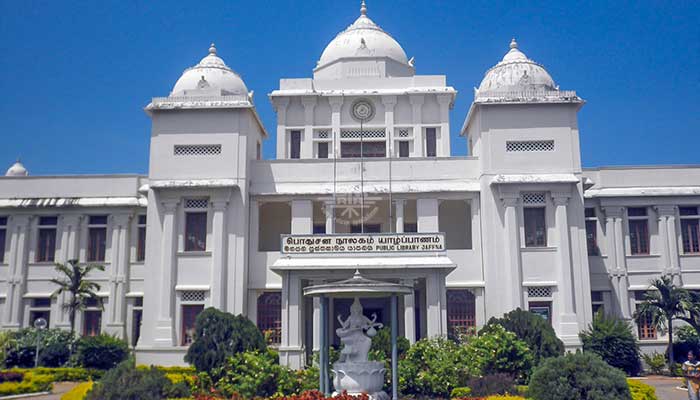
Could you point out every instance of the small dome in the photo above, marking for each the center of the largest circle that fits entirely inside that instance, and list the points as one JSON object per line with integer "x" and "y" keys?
{"x": 211, "y": 73}
{"x": 363, "y": 39}
{"x": 17, "y": 169}
{"x": 516, "y": 72}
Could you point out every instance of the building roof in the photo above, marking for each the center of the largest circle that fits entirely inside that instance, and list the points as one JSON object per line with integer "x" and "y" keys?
{"x": 211, "y": 73}
{"x": 516, "y": 72}
{"x": 17, "y": 169}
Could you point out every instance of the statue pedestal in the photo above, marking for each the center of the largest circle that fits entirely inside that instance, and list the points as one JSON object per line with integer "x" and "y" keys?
{"x": 360, "y": 377}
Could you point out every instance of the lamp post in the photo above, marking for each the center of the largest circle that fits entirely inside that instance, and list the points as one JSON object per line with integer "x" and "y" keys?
{"x": 40, "y": 324}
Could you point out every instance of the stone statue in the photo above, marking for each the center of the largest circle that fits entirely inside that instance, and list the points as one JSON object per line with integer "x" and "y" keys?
{"x": 353, "y": 372}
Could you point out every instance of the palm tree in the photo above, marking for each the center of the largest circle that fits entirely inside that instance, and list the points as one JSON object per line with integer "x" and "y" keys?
{"x": 662, "y": 304}
{"x": 74, "y": 282}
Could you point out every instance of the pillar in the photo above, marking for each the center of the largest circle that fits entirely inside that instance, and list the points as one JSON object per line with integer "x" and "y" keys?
{"x": 409, "y": 312}
{"x": 280, "y": 105}
{"x": 302, "y": 216}
{"x": 307, "y": 142}
{"x": 118, "y": 273}
{"x": 330, "y": 216}
{"x": 389, "y": 104}
{"x": 70, "y": 246}
{"x": 164, "y": 334}
{"x": 400, "y": 204}
{"x": 17, "y": 270}
{"x": 436, "y": 304}
{"x": 443, "y": 144}
{"x": 568, "y": 328}
{"x": 416, "y": 101}
{"x": 617, "y": 259}
{"x": 336, "y": 102}
{"x": 218, "y": 254}
{"x": 669, "y": 241}
{"x": 427, "y": 210}
{"x": 511, "y": 250}
{"x": 291, "y": 349}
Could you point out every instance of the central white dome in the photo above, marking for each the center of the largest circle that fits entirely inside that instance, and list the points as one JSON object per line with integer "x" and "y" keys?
{"x": 363, "y": 39}
{"x": 516, "y": 72}
{"x": 211, "y": 73}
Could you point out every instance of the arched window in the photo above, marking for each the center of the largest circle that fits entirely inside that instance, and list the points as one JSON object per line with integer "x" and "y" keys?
{"x": 461, "y": 312}
{"x": 270, "y": 316}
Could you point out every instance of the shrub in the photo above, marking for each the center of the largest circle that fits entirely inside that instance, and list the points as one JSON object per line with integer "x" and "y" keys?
{"x": 79, "y": 392}
{"x": 459, "y": 392}
{"x": 533, "y": 330}
{"x": 686, "y": 339}
{"x": 125, "y": 381}
{"x": 641, "y": 391}
{"x": 496, "y": 350}
{"x": 220, "y": 335}
{"x": 580, "y": 376}
{"x": 54, "y": 348}
{"x": 11, "y": 376}
{"x": 492, "y": 384}
{"x": 381, "y": 345}
{"x": 31, "y": 383}
{"x": 433, "y": 367}
{"x": 612, "y": 339}
{"x": 101, "y": 351}
{"x": 656, "y": 362}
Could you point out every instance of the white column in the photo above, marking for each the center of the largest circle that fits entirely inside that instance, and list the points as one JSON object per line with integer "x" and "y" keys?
{"x": 309, "y": 102}
{"x": 389, "y": 103}
{"x": 617, "y": 257}
{"x": 218, "y": 254}
{"x": 400, "y": 203}
{"x": 330, "y": 214}
{"x": 336, "y": 103}
{"x": 669, "y": 240}
{"x": 427, "y": 210}
{"x": 164, "y": 335}
{"x": 302, "y": 216}
{"x": 316, "y": 319}
{"x": 436, "y": 304}
{"x": 118, "y": 275}
{"x": 17, "y": 270}
{"x": 511, "y": 251}
{"x": 417, "y": 112}
{"x": 291, "y": 349}
{"x": 409, "y": 312}
{"x": 444, "y": 101}
{"x": 70, "y": 243}
{"x": 568, "y": 328}
{"x": 280, "y": 105}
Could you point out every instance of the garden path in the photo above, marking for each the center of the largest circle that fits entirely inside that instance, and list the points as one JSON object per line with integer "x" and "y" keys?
{"x": 666, "y": 387}
{"x": 59, "y": 388}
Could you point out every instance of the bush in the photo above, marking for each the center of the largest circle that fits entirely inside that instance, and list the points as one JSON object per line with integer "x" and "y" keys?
{"x": 54, "y": 348}
{"x": 79, "y": 392}
{"x": 656, "y": 362}
{"x": 460, "y": 392}
{"x": 686, "y": 339}
{"x": 496, "y": 350}
{"x": 492, "y": 384}
{"x": 31, "y": 383}
{"x": 533, "y": 330}
{"x": 220, "y": 335}
{"x": 580, "y": 376}
{"x": 125, "y": 381}
{"x": 641, "y": 391}
{"x": 381, "y": 345}
{"x": 101, "y": 351}
{"x": 433, "y": 367}
{"x": 11, "y": 376}
{"x": 612, "y": 339}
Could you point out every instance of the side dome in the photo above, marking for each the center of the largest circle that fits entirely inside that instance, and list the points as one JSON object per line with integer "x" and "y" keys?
{"x": 211, "y": 73}
{"x": 363, "y": 39}
{"x": 17, "y": 169}
{"x": 516, "y": 72}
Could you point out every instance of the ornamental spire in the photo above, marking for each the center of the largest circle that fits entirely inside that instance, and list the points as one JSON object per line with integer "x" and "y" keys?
{"x": 513, "y": 44}
{"x": 363, "y": 8}
{"x": 212, "y": 49}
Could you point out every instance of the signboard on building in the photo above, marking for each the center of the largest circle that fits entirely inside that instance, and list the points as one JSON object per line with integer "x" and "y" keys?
{"x": 363, "y": 243}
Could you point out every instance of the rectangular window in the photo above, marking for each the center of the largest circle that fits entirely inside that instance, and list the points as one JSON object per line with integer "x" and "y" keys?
{"x": 3, "y": 238}
{"x": 638, "y": 230}
{"x": 258, "y": 151}
{"x": 645, "y": 328}
{"x": 430, "y": 142}
{"x": 592, "y": 237}
{"x": 295, "y": 144}
{"x": 319, "y": 229}
{"x": 92, "y": 322}
{"x": 196, "y": 231}
{"x": 541, "y": 308}
{"x": 369, "y": 149}
{"x": 597, "y": 302}
{"x": 141, "y": 239}
{"x": 535, "y": 227}
{"x": 403, "y": 148}
{"x": 46, "y": 241}
{"x": 40, "y": 308}
{"x": 690, "y": 229}
{"x": 410, "y": 227}
{"x": 461, "y": 312}
{"x": 137, "y": 318}
{"x": 189, "y": 315}
{"x": 97, "y": 237}
{"x": 323, "y": 150}
{"x": 270, "y": 316}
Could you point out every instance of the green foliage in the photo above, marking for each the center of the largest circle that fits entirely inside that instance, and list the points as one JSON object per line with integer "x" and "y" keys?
{"x": 641, "y": 391}
{"x": 125, "y": 381}
{"x": 220, "y": 335}
{"x": 73, "y": 280}
{"x": 101, "y": 351}
{"x": 54, "y": 348}
{"x": 533, "y": 330}
{"x": 492, "y": 384}
{"x": 612, "y": 339}
{"x": 31, "y": 383}
{"x": 656, "y": 362}
{"x": 258, "y": 374}
{"x": 579, "y": 376}
{"x": 433, "y": 367}
{"x": 686, "y": 339}
{"x": 496, "y": 350}
{"x": 381, "y": 345}
{"x": 79, "y": 392}
{"x": 5, "y": 338}
{"x": 460, "y": 392}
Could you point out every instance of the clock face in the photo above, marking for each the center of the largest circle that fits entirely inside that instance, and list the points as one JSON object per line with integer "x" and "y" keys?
{"x": 362, "y": 110}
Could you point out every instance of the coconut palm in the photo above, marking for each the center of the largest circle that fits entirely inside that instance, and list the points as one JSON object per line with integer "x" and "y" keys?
{"x": 662, "y": 304}
{"x": 74, "y": 281}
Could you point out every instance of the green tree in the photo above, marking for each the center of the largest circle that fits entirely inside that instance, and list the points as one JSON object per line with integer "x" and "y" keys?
{"x": 73, "y": 280}
{"x": 533, "y": 330}
{"x": 612, "y": 339}
{"x": 496, "y": 350}
{"x": 662, "y": 304}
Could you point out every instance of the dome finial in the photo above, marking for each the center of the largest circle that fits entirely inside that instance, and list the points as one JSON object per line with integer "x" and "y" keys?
{"x": 212, "y": 49}
{"x": 363, "y": 8}
{"x": 513, "y": 44}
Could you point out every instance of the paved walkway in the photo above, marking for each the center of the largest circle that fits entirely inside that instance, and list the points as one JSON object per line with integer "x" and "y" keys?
{"x": 59, "y": 388}
{"x": 666, "y": 387}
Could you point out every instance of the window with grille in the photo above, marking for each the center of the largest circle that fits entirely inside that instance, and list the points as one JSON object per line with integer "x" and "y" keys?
{"x": 295, "y": 144}
{"x": 369, "y": 149}
{"x": 638, "y": 225}
{"x": 461, "y": 312}
{"x": 141, "y": 239}
{"x": 97, "y": 237}
{"x": 270, "y": 316}
{"x": 192, "y": 296}
{"x": 364, "y": 133}
{"x": 189, "y": 316}
{"x": 539, "y": 292}
{"x": 529, "y": 145}
{"x": 430, "y": 142}
{"x": 536, "y": 198}
{"x": 404, "y": 132}
{"x": 3, "y": 238}
{"x": 46, "y": 239}
{"x": 196, "y": 203}
{"x": 592, "y": 232}
{"x": 690, "y": 229}
{"x": 197, "y": 149}
{"x": 322, "y": 134}
{"x": 535, "y": 227}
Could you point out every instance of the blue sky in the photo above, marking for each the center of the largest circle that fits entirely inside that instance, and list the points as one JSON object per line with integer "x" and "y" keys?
{"x": 76, "y": 75}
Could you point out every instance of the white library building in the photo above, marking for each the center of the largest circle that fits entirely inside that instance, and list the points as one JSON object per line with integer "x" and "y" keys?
{"x": 363, "y": 180}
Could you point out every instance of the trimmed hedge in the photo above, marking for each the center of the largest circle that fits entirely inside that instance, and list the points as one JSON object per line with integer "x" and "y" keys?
{"x": 61, "y": 374}
{"x": 79, "y": 392}
{"x": 641, "y": 391}
{"x": 31, "y": 383}
{"x": 101, "y": 351}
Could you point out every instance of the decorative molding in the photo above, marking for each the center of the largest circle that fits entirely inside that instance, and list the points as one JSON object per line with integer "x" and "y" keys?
{"x": 666, "y": 210}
